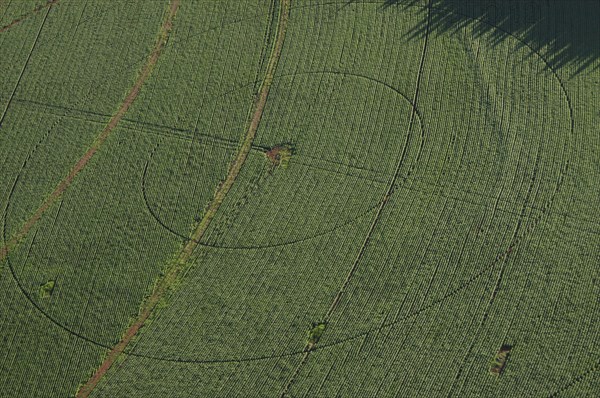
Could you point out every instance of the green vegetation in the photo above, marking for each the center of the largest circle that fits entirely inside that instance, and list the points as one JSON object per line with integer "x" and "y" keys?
{"x": 46, "y": 289}
{"x": 280, "y": 155}
{"x": 500, "y": 360}
{"x": 314, "y": 334}
{"x": 422, "y": 179}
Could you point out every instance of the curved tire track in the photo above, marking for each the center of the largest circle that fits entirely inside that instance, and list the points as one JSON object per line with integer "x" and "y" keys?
{"x": 100, "y": 139}
{"x": 576, "y": 380}
{"x": 24, "y": 17}
{"x": 171, "y": 275}
{"x": 453, "y": 293}
{"x": 348, "y": 222}
{"x": 337, "y": 299}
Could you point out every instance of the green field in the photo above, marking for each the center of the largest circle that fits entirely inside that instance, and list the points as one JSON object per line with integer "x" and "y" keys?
{"x": 429, "y": 228}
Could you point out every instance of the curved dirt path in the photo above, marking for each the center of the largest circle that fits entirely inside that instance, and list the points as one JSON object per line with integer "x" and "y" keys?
{"x": 175, "y": 268}
{"x": 22, "y": 18}
{"x": 101, "y": 138}
{"x": 450, "y": 295}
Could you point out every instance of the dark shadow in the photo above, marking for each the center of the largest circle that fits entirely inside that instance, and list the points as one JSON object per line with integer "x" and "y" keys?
{"x": 565, "y": 32}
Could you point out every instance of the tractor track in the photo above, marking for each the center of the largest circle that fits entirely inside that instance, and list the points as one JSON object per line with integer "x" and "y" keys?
{"x": 9, "y": 244}
{"x": 4, "y": 250}
{"x": 309, "y": 346}
{"x": 49, "y": 4}
{"x": 174, "y": 269}
{"x": 576, "y": 380}
{"x": 100, "y": 139}
{"x": 503, "y": 257}
{"x": 12, "y": 95}
{"x": 212, "y": 361}
{"x": 449, "y": 295}
{"x": 348, "y": 222}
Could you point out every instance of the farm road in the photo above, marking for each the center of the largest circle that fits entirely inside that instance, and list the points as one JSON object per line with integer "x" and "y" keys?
{"x": 100, "y": 139}
{"x": 22, "y": 18}
{"x": 173, "y": 271}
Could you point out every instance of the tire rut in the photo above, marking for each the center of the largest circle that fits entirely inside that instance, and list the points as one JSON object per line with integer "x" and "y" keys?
{"x": 174, "y": 270}
{"x": 414, "y": 115}
{"x": 350, "y": 220}
{"x": 24, "y": 17}
{"x": 100, "y": 139}
{"x": 440, "y": 301}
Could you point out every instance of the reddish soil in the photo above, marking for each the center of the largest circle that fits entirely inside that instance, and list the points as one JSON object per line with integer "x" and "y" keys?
{"x": 112, "y": 356}
{"x": 113, "y": 122}
{"x": 172, "y": 273}
{"x": 27, "y": 16}
{"x": 274, "y": 155}
{"x": 279, "y": 154}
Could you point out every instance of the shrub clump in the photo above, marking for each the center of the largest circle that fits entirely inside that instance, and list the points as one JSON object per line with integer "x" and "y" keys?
{"x": 500, "y": 360}
{"x": 314, "y": 334}
{"x": 46, "y": 289}
{"x": 280, "y": 155}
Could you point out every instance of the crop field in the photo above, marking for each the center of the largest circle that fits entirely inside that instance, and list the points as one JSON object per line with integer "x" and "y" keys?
{"x": 299, "y": 198}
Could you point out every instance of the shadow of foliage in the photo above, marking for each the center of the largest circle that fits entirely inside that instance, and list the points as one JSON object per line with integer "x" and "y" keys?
{"x": 566, "y": 32}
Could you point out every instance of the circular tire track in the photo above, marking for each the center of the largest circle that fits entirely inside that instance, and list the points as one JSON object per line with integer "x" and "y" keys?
{"x": 346, "y": 223}
{"x": 453, "y": 293}
{"x": 516, "y": 240}
{"x": 72, "y": 332}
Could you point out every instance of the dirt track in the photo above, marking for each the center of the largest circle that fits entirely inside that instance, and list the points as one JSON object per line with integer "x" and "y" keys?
{"x": 100, "y": 139}
{"x": 172, "y": 273}
{"x": 27, "y": 16}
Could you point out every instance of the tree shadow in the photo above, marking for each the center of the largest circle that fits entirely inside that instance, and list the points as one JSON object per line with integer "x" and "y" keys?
{"x": 566, "y": 32}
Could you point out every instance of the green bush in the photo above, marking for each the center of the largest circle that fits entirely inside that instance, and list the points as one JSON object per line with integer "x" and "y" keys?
{"x": 46, "y": 289}
{"x": 315, "y": 333}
